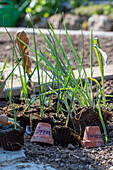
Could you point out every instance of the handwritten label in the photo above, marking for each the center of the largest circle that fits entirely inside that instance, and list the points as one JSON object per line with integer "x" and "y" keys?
{"x": 40, "y": 131}
{"x": 97, "y": 136}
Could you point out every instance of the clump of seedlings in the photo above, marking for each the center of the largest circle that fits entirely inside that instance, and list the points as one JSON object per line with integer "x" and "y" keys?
{"x": 62, "y": 81}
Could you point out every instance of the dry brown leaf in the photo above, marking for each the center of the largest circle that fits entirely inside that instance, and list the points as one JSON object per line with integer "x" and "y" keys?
{"x": 27, "y": 62}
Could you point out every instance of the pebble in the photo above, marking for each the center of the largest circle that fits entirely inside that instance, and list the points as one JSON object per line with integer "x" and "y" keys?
{"x": 77, "y": 157}
{"x": 83, "y": 159}
{"x": 8, "y": 47}
{"x": 67, "y": 151}
{"x": 80, "y": 166}
{"x": 70, "y": 146}
{"x": 90, "y": 167}
{"x": 57, "y": 160}
{"x": 62, "y": 164}
{"x": 99, "y": 164}
{"x": 57, "y": 149}
{"x": 83, "y": 154}
{"x": 100, "y": 148}
{"x": 93, "y": 151}
{"x": 103, "y": 162}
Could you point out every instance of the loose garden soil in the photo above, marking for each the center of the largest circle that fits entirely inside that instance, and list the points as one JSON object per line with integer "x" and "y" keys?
{"x": 6, "y": 47}
{"x": 67, "y": 152}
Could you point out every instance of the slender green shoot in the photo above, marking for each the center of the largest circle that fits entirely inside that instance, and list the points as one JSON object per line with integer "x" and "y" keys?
{"x": 37, "y": 65}
{"x": 99, "y": 107}
{"x": 91, "y": 62}
{"x": 10, "y": 93}
{"x": 15, "y": 115}
{"x": 101, "y": 64}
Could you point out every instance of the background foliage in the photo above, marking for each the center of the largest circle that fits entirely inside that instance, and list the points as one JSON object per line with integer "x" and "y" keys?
{"x": 46, "y": 8}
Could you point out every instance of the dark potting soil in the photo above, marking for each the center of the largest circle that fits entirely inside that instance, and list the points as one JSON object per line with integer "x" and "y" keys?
{"x": 71, "y": 157}
{"x": 84, "y": 117}
{"x": 67, "y": 152}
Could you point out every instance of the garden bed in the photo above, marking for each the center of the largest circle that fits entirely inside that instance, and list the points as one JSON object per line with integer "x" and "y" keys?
{"x": 67, "y": 156}
{"x": 106, "y": 43}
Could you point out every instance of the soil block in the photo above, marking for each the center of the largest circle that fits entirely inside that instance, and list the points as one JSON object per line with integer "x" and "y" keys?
{"x": 11, "y": 139}
{"x": 90, "y": 117}
{"x": 36, "y": 118}
{"x": 47, "y": 118}
{"x": 64, "y": 135}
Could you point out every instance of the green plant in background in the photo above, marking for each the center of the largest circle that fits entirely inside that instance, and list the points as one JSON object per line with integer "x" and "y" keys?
{"x": 94, "y": 9}
{"x": 16, "y": 2}
{"x": 45, "y": 8}
{"x": 107, "y": 9}
{"x": 76, "y": 3}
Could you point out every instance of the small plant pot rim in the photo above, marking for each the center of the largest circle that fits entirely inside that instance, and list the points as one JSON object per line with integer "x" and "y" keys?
{"x": 92, "y": 143}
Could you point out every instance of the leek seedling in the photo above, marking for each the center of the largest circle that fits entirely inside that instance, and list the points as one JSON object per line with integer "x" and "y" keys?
{"x": 91, "y": 62}
{"x": 99, "y": 108}
{"x": 101, "y": 64}
{"x": 10, "y": 93}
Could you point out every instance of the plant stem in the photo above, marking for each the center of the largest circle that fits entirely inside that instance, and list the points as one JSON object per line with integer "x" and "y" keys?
{"x": 91, "y": 63}
{"x": 37, "y": 64}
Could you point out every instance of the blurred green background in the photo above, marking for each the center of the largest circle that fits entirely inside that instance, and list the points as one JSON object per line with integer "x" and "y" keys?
{"x": 12, "y": 10}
